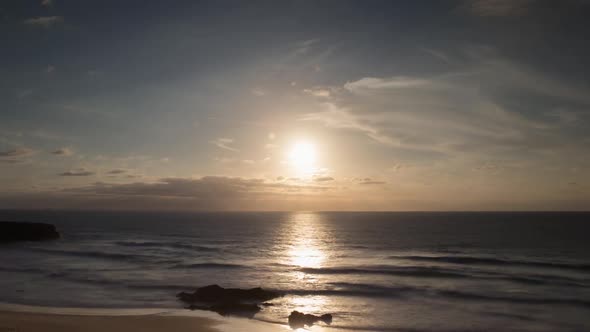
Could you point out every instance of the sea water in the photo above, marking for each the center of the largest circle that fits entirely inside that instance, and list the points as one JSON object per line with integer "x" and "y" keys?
{"x": 372, "y": 271}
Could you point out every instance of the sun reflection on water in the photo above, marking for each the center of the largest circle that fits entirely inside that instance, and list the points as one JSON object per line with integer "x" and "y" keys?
{"x": 307, "y": 240}
{"x": 304, "y": 241}
{"x": 306, "y": 256}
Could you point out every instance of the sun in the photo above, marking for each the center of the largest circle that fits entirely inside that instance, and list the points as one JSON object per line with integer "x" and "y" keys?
{"x": 303, "y": 157}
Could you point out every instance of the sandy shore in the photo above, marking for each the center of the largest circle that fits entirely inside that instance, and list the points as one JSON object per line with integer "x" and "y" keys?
{"x": 36, "y": 322}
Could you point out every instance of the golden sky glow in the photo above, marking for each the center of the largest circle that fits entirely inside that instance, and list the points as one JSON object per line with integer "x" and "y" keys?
{"x": 302, "y": 157}
{"x": 181, "y": 112}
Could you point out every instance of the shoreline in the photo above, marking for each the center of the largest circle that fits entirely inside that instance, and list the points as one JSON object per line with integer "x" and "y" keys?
{"x": 14, "y": 321}
{"x": 25, "y": 318}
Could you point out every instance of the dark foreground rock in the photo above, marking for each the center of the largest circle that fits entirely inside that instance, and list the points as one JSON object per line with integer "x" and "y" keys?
{"x": 11, "y": 231}
{"x": 216, "y": 294}
{"x": 227, "y": 301}
{"x": 298, "y": 319}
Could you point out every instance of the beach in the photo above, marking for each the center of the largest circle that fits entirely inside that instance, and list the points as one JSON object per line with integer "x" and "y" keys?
{"x": 25, "y": 318}
{"x": 34, "y": 322}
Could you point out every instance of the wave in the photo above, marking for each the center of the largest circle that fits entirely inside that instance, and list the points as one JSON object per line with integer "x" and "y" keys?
{"x": 436, "y": 272}
{"x": 175, "y": 245}
{"x": 412, "y": 271}
{"x": 116, "y": 283}
{"x": 372, "y": 291}
{"x": 210, "y": 266}
{"x": 518, "y": 300}
{"x": 94, "y": 254}
{"x": 355, "y": 290}
{"x": 470, "y": 260}
{"x": 22, "y": 270}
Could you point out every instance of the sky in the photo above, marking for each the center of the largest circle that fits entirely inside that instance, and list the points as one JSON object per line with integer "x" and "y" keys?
{"x": 295, "y": 105}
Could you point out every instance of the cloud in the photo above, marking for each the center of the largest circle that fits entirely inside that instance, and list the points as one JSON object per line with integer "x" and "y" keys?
{"x": 224, "y": 143}
{"x": 488, "y": 167}
{"x": 258, "y": 92}
{"x": 66, "y": 152}
{"x": 17, "y": 152}
{"x": 438, "y": 54}
{"x": 11, "y": 160}
{"x": 397, "y": 167}
{"x": 22, "y": 94}
{"x": 498, "y": 8}
{"x": 50, "y": 69}
{"x": 205, "y": 188}
{"x": 78, "y": 172}
{"x": 369, "y": 181}
{"x": 492, "y": 106}
{"x": 336, "y": 117}
{"x": 318, "y": 92}
{"x": 203, "y": 193}
{"x": 117, "y": 171}
{"x": 305, "y": 46}
{"x": 323, "y": 179}
{"x": 46, "y": 3}
{"x": 371, "y": 83}
{"x": 44, "y": 21}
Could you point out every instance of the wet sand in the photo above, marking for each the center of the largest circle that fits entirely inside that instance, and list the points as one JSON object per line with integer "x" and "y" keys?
{"x": 36, "y": 322}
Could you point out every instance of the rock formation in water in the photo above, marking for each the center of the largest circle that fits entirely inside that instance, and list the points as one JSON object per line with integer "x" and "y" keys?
{"x": 12, "y": 231}
{"x": 227, "y": 301}
{"x": 298, "y": 319}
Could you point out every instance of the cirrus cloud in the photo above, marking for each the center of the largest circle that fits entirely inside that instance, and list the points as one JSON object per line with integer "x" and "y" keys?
{"x": 78, "y": 172}
{"x": 66, "y": 152}
{"x": 44, "y": 21}
{"x": 224, "y": 143}
{"x": 16, "y": 152}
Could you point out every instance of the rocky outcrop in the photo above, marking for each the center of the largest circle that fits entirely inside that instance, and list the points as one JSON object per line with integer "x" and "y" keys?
{"x": 11, "y": 231}
{"x": 227, "y": 301}
{"x": 298, "y": 319}
{"x": 216, "y": 294}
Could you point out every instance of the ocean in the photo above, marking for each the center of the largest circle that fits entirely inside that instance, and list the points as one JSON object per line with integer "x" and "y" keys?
{"x": 407, "y": 271}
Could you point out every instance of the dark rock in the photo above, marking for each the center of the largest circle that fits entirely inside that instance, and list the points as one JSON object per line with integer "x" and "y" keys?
{"x": 298, "y": 319}
{"x": 217, "y": 294}
{"x": 227, "y": 301}
{"x": 11, "y": 231}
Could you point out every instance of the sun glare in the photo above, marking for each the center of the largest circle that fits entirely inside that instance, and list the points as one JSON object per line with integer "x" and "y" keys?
{"x": 303, "y": 157}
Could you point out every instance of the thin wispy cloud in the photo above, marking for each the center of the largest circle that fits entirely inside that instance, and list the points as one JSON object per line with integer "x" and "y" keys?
{"x": 224, "y": 143}
{"x": 259, "y": 92}
{"x": 66, "y": 152}
{"x": 368, "y": 83}
{"x": 16, "y": 152}
{"x": 318, "y": 92}
{"x": 204, "y": 188}
{"x": 44, "y": 21}
{"x": 117, "y": 171}
{"x": 78, "y": 172}
{"x": 323, "y": 179}
{"x": 22, "y": 94}
{"x": 500, "y": 8}
{"x": 369, "y": 181}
